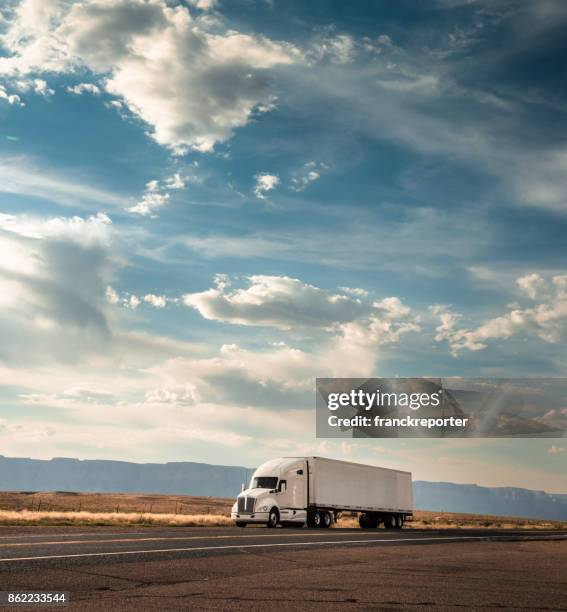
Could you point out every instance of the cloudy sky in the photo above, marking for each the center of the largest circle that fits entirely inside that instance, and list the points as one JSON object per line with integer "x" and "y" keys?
{"x": 205, "y": 204}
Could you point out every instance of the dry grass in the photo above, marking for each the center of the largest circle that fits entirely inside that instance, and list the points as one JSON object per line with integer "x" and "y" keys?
{"x": 67, "y": 508}
{"x": 424, "y": 519}
{"x": 114, "y": 503}
{"x": 27, "y": 517}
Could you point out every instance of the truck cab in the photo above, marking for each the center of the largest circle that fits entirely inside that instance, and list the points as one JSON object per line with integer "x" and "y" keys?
{"x": 277, "y": 494}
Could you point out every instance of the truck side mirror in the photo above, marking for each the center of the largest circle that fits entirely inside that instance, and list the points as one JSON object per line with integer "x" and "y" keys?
{"x": 242, "y": 487}
{"x": 282, "y": 486}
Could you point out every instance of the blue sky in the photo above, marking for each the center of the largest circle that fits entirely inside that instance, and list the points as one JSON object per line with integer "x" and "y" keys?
{"x": 204, "y": 205}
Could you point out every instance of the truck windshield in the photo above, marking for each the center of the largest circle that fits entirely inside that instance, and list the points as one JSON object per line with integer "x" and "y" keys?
{"x": 264, "y": 482}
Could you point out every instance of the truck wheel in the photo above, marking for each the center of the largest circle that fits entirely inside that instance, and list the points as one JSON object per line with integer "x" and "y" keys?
{"x": 368, "y": 521}
{"x": 326, "y": 520}
{"x": 314, "y": 520}
{"x": 390, "y": 521}
{"x": 273, "y": 518}
{"x": 241, "y": 524}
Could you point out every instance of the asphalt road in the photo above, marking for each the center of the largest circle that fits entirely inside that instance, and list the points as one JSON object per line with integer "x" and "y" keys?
{"x": 239, "y": 569}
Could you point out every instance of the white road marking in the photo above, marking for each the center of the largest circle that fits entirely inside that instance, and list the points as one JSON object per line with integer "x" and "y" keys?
{"x": 69, "y": 535}
{"x": 157, "y": 539}
{"x": 271, "y": 545}
{"x": 289, "y": 534}
{"x": 133, "y": 536}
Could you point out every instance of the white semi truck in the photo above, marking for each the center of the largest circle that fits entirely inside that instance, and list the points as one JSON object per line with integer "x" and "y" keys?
{"x": 312, "y": 491}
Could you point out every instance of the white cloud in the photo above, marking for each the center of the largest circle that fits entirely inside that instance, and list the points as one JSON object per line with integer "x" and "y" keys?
{"x": 282, "y": 368}
{"x": 277, "y": 301}
{"x": 26, "y": 85}
{"x": 89, "y": 231}
{"x": 310, "y": 173}
{"x": 335, "y": 48}
{"x": 30, "y": 40}
{"x": 355, "y": 291}
{"x": 38, "y": 86}
{"x": 111, "y": 295}
{"x": 151, "y": 201}
{"x": 204, "y": 5}
{"x": 393, "y": 308}
{"x": 53, "y": 276}
{"x": 447, "y": 319}
{"x": 193, "y": 87}
{"x": 12, "y": 99}
{"x": 546, "y": 320}
{"x": 26, "y": 176}
{"x": 354, "y": 350}
{"x": 156, "y": 195}
{"x": 184, "y": 394}
{"x": 175, "y": 182}
{"x": 357, "y": 329}
{"x": 132, "y": 302}
{"x": 82, "y": 88}
{"x": 115, "y": 104}
{"x": 279, "y": 378}
{"x": 531, "y": 284}
{"x": 265, "y": 182}
{"x": 157, "y": 301}
{"x": 389, "y": 320}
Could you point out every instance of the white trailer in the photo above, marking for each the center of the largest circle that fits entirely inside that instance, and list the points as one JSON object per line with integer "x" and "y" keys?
{"x": 294, "y": 491}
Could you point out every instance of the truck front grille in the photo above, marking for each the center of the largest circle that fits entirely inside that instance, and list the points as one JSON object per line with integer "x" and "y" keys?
{"x": 246, "y": 504}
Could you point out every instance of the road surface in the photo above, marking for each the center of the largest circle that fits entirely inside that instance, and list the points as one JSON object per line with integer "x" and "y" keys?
{"x": 255, "y": 568}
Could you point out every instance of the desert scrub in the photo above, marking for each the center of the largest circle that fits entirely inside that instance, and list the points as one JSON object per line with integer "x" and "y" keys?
{"x": 27, "y": 517}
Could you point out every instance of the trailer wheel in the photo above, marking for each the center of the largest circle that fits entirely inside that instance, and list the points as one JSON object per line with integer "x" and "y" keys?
{"x": 399, "y": 521}
{"x": 368, "y": 521}
{"x": 326, "y": 520}
{"x": 273, "y": 518}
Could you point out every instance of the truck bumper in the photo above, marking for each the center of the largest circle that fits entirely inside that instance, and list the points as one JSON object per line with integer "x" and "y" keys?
{"x": 255, "y": 517}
